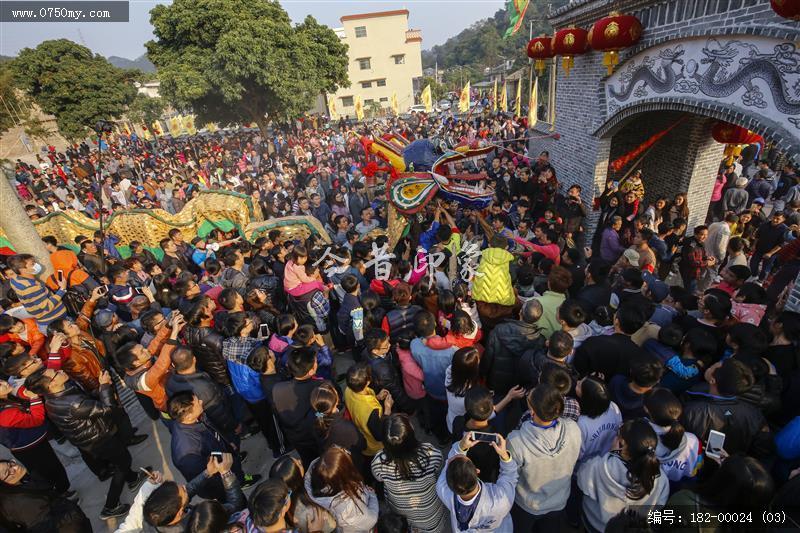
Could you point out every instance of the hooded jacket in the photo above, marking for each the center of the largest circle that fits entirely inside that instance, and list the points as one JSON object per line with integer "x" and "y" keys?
{"x": 492, "y": 283}
{"x": 546, "y": 457}
{"x": 604, "y": 482}
{"x": 351, "y": 516}
{"x": 492, "y": 512}
{"x": 682, "y": 462}
{"x": 206, "y": 345}
{"x": 506, "y": 344}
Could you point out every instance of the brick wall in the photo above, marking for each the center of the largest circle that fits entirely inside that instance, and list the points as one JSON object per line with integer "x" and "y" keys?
{"x": 686, "y": 160}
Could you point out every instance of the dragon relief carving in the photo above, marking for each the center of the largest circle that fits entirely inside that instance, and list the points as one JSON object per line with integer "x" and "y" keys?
{"x": 719, "y": 79}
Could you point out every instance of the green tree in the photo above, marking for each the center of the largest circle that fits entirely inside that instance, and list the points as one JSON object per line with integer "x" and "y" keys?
{"x": 242, "y": 60}
{"x": 482, "y": 44}
{"x": 68, "y": 81}
{"x": 145, "y": 109}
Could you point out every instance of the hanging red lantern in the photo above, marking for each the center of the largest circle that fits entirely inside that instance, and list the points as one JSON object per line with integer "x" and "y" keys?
{"x": 789, "y": 9}
{"x": 727, "y": 133}
{"x": 569, "y": 43}
{"x": 612, "y": 34}
{"x": 539, "y": 50}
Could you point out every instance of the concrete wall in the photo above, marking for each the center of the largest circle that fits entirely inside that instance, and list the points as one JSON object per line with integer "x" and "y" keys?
{"x": 387, "y": 35}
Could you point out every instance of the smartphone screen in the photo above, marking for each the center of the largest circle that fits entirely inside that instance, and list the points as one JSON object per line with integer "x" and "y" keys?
{"x": 484, "y": 437}
{"x": 263, "y": 331}
{"x": 138, "y": 290}
{"x": 60, "y": 275}
{"x": 217, "y": 456}
{"x": 716, "y": 441}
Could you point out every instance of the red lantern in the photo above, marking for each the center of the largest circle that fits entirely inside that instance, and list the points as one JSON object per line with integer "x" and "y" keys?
{"x": 539, "y": 50}
{"x": 727, "y": 133}
{"x": 612, "y": 34}
{"x": 789, "y": 9}
{"x": 569, "y": 43}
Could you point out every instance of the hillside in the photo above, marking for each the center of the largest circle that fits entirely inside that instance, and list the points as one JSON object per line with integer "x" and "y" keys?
{"x": 482, "y": 45}
{"x": 141, "y": 63}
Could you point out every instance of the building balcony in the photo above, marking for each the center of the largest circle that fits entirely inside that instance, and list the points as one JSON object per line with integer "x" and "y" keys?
{"x": 413, "y": 36}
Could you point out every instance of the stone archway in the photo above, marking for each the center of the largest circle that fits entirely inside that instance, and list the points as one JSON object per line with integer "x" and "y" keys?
{"x": 685, "y": 160}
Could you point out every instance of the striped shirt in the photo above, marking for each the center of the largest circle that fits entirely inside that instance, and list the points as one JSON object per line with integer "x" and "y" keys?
{"x": 38, "y": 300}
{"x": 414, "y": 498}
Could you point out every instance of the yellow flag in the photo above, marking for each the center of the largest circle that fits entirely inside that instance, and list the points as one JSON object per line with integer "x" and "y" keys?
{"x": 504, "y": 99}
{"x": 494, "y": 97}
{"x": 188, "y": 124}
{"x": 426, "y": 99}
{"x": 212, "y": 127}
{"x": 463, "y": 101}
{"x": 533, "y": 104}
{"x": 332, "y": 107}
{"x": 175, "y": 126}
{"x": 156, "y": 128}
{"x": 359, "y": 105}
{"x": 519, "y": 97}
{"x": 395, "y": 106}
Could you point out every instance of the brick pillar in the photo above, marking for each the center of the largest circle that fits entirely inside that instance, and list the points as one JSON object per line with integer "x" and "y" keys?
{"x": 702, "y": 162}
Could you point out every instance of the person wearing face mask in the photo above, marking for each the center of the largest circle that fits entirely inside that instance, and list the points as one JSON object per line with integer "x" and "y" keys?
{"x": 36, "y": 298}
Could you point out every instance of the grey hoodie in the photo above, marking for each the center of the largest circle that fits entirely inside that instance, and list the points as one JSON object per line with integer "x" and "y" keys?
{"x": 546, "y": 459}
{"x": 604, "y": 481}
{"x": 580, "y": 334}
{"x": 349, "y": 517}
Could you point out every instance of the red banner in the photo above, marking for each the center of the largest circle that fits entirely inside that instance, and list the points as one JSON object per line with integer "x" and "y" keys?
{"x": 620, "y": 162}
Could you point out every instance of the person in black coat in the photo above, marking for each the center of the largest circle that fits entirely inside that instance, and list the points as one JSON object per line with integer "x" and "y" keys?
{"x": 88, "y": 423}
{"x": 596, "y": 292}
{"x": 186, "y": 377}
{"x": 719, "y": 408}
{"x": 377, "y": 353}
{"x": 610, "y": 354}
{"x": 31, "y": 503}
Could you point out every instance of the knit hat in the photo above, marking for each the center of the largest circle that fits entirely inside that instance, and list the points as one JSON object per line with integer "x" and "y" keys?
{"x": 632, "y": 256}
{"x": 103, "y": 318}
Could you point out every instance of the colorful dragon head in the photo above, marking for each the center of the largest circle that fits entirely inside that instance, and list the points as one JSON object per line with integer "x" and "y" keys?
{"x": 425, "y": 169}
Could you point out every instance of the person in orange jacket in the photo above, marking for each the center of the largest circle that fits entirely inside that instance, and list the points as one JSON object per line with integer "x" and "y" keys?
{"x": 22, "y": 331}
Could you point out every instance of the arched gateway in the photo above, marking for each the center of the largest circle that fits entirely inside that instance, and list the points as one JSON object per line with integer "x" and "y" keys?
{"x": 699, "y": 61}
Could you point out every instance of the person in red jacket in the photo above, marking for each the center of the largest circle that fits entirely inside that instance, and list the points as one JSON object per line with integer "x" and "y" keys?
{"x": 23, "y": 430}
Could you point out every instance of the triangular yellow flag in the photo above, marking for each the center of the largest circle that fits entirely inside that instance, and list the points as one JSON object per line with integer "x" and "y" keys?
{"x": 533, "y": 104}
{"x": 426, "y": 99}
{"x": 504, "y": 99}
{"x": 494, "y": 97}
{"x": 463, "y": 101}
{"x": 394, "y": 105}
{"x": 359, "y": 105}
{"x": 518, "y": 109}
{"x": 332, "y": 107}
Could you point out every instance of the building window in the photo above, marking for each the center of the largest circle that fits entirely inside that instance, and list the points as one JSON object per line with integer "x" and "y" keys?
{"x": 347, "y": 101}
{"x": 381, "y": 83}
{"x": 366, "y": 84}
{"x": 361, "y": 31}
{"x": 364, "y": 63}
{"x": 384, "y": 99}
{"x": 400, "y": 59}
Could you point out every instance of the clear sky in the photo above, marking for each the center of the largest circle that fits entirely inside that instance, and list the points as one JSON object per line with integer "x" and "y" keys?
{"x": 438, "y": 20}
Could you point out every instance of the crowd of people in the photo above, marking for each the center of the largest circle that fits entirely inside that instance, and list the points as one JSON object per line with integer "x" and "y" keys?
{"x": 507, "y": 369}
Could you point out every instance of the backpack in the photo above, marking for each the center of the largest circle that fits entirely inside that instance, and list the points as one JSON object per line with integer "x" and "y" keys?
{"x": 74, "y": 296}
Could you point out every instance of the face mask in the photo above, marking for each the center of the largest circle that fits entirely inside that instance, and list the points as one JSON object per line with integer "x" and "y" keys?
{"x": 37, "y": 269}
{"x": 506, "y": 178}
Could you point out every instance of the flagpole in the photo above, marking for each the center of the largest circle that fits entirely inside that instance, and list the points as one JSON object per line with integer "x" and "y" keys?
{"x": 530, "y": 68}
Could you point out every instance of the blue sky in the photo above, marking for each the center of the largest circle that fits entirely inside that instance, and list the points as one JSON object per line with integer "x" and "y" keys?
{"x": 438, "y": 20}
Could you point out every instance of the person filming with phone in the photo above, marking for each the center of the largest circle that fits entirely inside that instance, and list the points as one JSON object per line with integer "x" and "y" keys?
{"x": 473, "y": 503}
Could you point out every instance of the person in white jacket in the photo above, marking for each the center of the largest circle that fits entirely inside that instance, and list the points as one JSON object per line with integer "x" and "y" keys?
{"x": 334, "y": 483}
{"x": 630, "y": 474}
{"x": 474, "y": 505}
{"x": 546, "y": 448}
{"x": 678, "y": 450}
